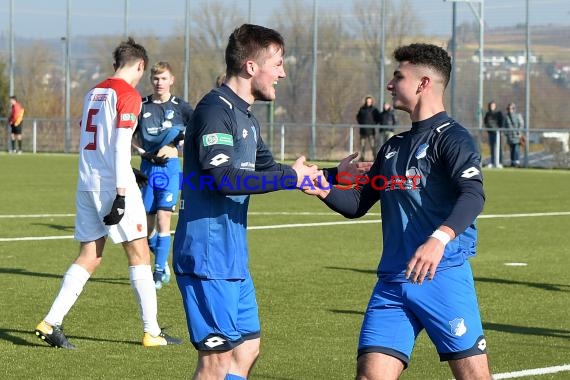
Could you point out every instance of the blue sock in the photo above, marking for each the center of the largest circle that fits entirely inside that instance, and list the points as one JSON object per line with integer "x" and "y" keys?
{"x": 230, "y": 376}
{"x": 161, "y": 251}
{"x": 152, "y": 241}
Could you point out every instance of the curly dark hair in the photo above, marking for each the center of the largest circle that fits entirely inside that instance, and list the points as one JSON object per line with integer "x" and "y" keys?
{"x": 428, "y": 55}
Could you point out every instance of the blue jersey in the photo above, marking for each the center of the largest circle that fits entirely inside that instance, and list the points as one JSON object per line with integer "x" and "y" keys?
{"x": 425, "y": 177}
{"x": 160, "y": 123}
{"x": 224, "y": 137}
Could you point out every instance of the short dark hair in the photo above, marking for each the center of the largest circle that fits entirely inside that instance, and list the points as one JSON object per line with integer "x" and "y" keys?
{"x": 248, "y": 42}
{"x": 428, "y": 55}
{"x": 129, "y": 51}
{"x": 13, "y": 97}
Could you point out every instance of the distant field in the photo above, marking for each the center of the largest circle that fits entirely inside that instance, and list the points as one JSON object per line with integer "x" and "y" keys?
{"x": 314, "y": 271}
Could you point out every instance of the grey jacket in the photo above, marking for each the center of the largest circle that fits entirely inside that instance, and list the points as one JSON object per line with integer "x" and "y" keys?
{"x": 513, "y": 124}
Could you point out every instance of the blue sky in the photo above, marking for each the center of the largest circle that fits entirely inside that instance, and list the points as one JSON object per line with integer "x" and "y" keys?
{"x": 46, "y": 19}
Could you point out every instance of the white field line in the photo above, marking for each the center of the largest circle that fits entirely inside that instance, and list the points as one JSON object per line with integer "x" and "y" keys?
{"x": 532, "y": 372}
{"x": 279, "y": 226}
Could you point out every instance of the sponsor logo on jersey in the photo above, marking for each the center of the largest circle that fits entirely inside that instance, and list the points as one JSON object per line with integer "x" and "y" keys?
{"x": 146, "y": 114}
{"x": 422, "y": 151}
{"x": 458, "y": 327}
{"x": 128, "y": 117}
{"x": 471, "y": 172}
{"x": 217, "y": 139}
{"x": 99, "y": 97}
{"x": 244, "y": 133}
{"x": 390, "y": 154}
{"x": 214, "y": 341}
{"x": 219, "y": 159}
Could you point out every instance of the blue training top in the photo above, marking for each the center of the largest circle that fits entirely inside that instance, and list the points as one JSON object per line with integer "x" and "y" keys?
{"x": 225, "y": 160}
{"x": 424, "y": 177}
{"x": 160, "y": 123}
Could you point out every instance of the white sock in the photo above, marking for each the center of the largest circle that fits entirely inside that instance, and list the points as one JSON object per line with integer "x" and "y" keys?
{"x": 71, "y": 287}
{"x": 145, "y": 292}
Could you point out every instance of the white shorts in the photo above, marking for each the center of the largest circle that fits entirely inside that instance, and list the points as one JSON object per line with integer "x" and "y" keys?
{"x": 92, "y": 206}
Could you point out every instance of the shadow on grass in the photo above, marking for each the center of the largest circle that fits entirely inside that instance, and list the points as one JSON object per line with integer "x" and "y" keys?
{"x": 525, "y": 330}
{"x": 57, "y": 227}
{"x": 357, "y": 270}
{"x": 11, "y": 335}
{"x": 351, "y": 312}
{"x": 538, "y": 285}
{"x": 24, "y": 272}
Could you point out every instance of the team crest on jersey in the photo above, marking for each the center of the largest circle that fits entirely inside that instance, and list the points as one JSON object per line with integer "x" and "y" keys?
{"x": 390, "y": 154}
{"x": 217, "y": 139}
{"x": 458, "y": 327}
{"x": 244, "y": 133}
{"x": 422, "y": 151}
{"x": 169, "y": 114}
{"x": 146, "y": 115}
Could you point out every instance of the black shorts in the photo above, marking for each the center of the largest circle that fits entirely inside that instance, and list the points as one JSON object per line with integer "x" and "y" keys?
{"x": 16, "y": 130}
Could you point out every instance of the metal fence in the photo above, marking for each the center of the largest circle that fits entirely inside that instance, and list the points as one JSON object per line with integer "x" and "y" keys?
{"x": 548, "y": 148}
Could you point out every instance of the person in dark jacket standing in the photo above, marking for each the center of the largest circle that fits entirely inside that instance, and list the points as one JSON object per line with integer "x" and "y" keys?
{"x": 368, "y": 114}
{"x": 493, "y": 121}
{"x": 387, "y": 117}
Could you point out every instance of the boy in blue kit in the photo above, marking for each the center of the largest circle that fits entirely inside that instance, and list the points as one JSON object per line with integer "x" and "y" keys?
{"x": 428, "y": 226}
{"x": 210, "y": 256}
{"x": 161, "y": 126}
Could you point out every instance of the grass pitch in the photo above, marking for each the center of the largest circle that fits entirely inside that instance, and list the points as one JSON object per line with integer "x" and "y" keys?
{"x": 313, "y": 280}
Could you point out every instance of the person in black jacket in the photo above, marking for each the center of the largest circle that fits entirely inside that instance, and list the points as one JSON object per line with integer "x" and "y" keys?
{"x": 387, "y": 117}
{"x": 368, "y": 115}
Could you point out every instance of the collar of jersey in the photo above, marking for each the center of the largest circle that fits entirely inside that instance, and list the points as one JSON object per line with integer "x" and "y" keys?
{"x": 241, "y": 104}
{"x": 432, "y": 122}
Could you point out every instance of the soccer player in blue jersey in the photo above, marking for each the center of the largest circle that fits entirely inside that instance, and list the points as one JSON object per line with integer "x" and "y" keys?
{"x": 226, "y": 160}
{"x": 162, "y": 123}
{"x": 429, "y": 184}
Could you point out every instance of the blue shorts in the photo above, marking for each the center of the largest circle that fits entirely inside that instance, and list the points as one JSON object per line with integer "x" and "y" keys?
{"x": 221, "y": 314}
{"x": 446, "y": 307}
{"x": 161, "y": 193}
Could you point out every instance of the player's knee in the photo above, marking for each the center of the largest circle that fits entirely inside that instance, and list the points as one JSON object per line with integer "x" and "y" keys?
{"x": 214, "y": 364}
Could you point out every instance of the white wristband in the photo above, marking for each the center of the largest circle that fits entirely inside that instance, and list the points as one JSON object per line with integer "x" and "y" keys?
{"x": 441, "y": 236}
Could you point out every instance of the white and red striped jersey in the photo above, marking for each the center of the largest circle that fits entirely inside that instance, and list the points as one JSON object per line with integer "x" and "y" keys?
{"x": 110, "y": 105}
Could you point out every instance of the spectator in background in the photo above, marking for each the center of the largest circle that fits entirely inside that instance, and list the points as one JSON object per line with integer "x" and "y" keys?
{"x": 16, "y": 118}
{"x": 493, "y": 121}
{"x": 387, "y": 117}
{"x": 514, "y": 124}
{"x": 368, "y": 114}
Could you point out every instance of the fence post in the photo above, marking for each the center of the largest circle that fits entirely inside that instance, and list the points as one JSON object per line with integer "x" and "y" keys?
{"x": 282, "y": 142}
{"x": 35, "y": 137}
{"x": 351, "y": 140}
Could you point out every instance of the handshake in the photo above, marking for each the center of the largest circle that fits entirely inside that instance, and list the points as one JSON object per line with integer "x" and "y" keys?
{"x": 313, "y": 181}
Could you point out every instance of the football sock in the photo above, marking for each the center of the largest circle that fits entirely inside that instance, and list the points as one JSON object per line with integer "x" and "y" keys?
{"x": 13, "y": 144}
{"x": 143, "y": 286}
{"x": 162, "y": 250}
{"x": 152, "y": 240}
{"x": 71, "y": 287}
{"x": 19, "y": 144}
{"x": 231, "y": 376}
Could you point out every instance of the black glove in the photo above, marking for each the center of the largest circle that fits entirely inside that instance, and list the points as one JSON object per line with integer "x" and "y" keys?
{"x": 117, "y": 211}
{"x": 154, "y": 159}
{"x": 178, "y": 138}
{"x": 142, "y": 179}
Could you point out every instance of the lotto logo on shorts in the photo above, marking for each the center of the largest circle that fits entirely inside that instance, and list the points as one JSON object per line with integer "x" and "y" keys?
{"x": 214, "y": 341}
